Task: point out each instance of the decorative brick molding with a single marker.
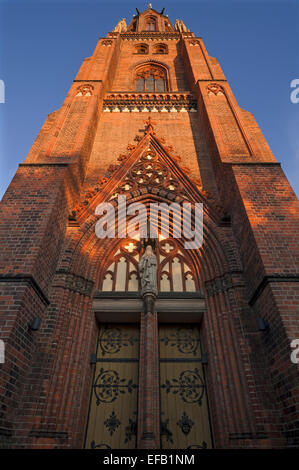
(149, 102)
(219, 284)
(194, 42)
(88, 81)
(107, 42)
(85, 90)
(169, 187)
(151, 35)
(73, 282)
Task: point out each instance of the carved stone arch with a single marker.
(89, 251)
(86, 253)
(219, 323)
(150, 147)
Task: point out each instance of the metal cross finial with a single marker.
(150, 5)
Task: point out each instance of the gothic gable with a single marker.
(149, 168)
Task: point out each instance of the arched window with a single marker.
(151, 79)
(161, 49)
(122, 273)
(175, 272)
(151, 25)
(142, 49)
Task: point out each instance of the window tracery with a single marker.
(122, 274)
(151, 79)
(175, 272)
(151, 23)
(150, 171)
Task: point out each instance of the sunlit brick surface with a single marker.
(51, 260)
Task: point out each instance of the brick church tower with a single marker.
(90, 360)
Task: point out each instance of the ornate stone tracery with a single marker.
(150, 174)
(151, 71)
(122, 273)
(175, 271)
(149, 170)
(151, 78)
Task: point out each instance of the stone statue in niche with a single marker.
(148, 271)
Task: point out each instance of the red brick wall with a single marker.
(181, 130)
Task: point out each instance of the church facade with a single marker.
(137, 342)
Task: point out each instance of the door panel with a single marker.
(184, 408)
(112, 420)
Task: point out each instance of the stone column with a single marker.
(148, 436)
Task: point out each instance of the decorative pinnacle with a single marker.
(150, 5)
(150, 124)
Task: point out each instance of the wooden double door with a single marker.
(184, 416)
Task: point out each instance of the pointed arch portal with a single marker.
(189, 309)
(149, 364)
(117, 402)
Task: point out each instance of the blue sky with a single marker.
(43, 43)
